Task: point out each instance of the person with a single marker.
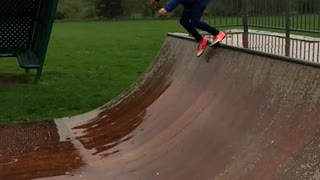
(191, 19)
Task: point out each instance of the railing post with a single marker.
(288, 28)
(288, 18)
(245, 40)
(245, 8)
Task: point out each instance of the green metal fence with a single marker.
(288, 15)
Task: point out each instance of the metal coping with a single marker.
(250, 51)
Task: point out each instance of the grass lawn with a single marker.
(88, 64)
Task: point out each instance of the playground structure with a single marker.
(25, 28)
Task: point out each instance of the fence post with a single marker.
(288, 28)
(245, 8)
(288, 18)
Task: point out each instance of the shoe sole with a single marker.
(203, 49)
(212, 44)
(200, 54)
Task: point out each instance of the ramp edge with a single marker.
(254, 52)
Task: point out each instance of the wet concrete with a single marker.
(226, 115)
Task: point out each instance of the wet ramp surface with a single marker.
(227, 115)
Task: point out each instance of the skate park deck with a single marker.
(230, 114)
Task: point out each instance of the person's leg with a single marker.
(197, 12)
(185, 22)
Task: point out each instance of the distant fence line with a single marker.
(287, 15)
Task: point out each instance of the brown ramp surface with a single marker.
(227, 115)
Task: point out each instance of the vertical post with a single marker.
(288, 28)
(288, 18)
(44, 24)
(245, 40)
(245, 21)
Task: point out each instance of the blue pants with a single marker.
(191, 19)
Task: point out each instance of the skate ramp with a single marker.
(231, 114)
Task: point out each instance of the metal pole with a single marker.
(288, 18)
(245, 40)
(288, 28)
(245, 4)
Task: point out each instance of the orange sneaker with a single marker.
(218, 38)
(202, 45)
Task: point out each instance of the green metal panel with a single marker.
(17, 23)
(25, 29)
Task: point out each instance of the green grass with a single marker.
(87, 65)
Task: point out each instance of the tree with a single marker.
(110, 8)
(140, 7)
(76, 9)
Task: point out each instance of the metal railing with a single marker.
(273, 44)
(288, 15)
(223, 13)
